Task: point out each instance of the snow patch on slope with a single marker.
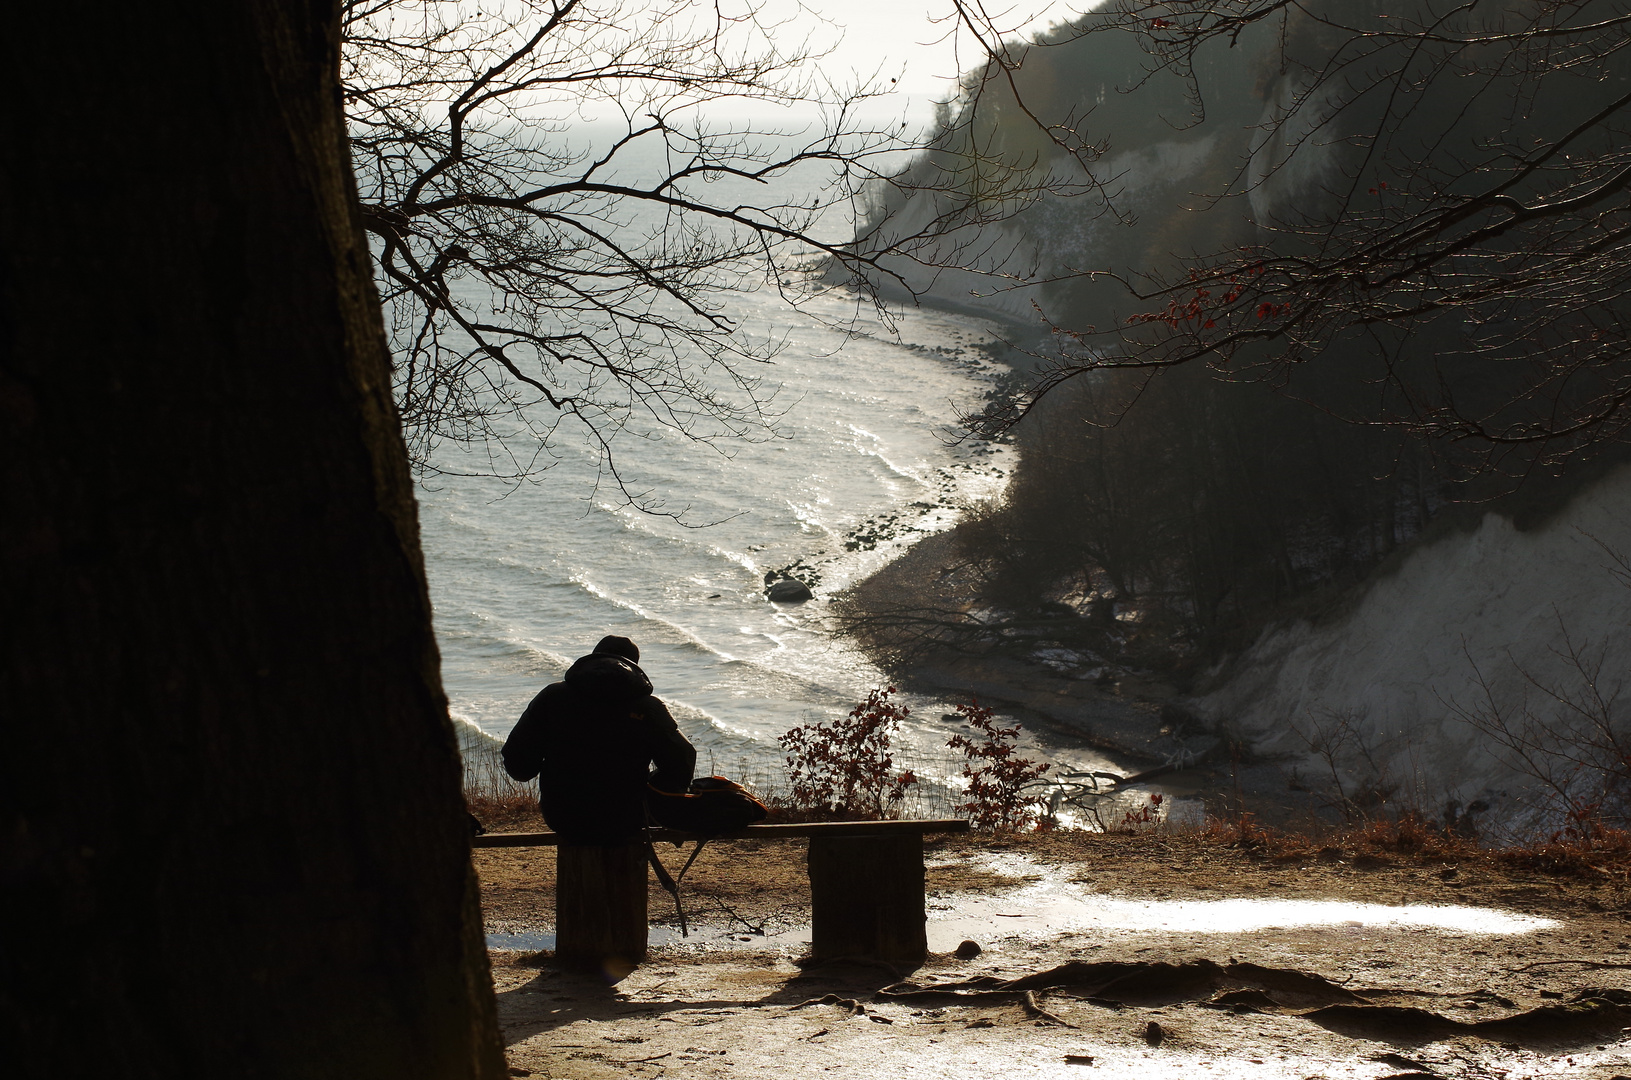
(1472, 618)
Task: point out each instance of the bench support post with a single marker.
(866, 898)
(600, 908)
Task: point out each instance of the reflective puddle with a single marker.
(1051, 906)
(705, 937)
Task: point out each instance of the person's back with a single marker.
(590, 739)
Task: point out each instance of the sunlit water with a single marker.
(526, 579)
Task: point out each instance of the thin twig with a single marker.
(1593, 964)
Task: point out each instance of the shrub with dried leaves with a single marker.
(995, 797)
(843, 768)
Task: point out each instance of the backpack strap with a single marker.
(671, 882)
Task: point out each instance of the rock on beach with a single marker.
(788, 591)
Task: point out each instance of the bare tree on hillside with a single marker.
(1443, 185)
(537, 268)
(1566, 729)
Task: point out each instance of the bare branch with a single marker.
(538, 268)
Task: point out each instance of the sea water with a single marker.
(526, 578)
(864, 461)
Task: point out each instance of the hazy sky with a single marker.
(891, 35)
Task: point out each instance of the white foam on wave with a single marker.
(738, 558)
(876, 452)
(809, 517)
(490, 632)
(472, 738)
(694, 717)
(543, 658)
(686, 635)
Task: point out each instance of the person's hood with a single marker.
(607, 675)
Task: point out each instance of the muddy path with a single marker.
(1100, 956)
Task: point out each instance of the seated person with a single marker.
(591, 740)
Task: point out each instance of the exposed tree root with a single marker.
(1255, 988)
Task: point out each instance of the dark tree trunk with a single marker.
(231, 832)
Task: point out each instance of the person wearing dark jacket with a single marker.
(591, 740)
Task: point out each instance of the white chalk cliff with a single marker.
(1464, 625)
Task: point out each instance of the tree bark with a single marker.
(232, 839)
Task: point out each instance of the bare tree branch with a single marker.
(1444, 185)
(537, 267)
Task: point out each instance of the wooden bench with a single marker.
(866, 890)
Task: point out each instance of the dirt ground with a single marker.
(1156, 980)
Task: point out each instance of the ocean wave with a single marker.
(877, 453)
(809, 515)
(743, 559)
(699, 723)
(494, 642)
(476, 747)
(682, 635)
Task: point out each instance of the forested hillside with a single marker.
(1245, 401)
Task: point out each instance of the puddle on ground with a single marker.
(1049, 906)
(703, 938)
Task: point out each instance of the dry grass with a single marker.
(1608, 853)
(513, 811)
(1408, 838)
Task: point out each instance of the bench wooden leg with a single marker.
(866, 898)
(600, 908)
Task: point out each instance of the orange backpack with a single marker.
(713, 806)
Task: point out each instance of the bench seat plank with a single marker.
(752, 832)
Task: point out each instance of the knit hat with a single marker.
(619, 646)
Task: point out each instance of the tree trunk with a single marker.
(231, 832)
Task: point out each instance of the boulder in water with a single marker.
(789, 591)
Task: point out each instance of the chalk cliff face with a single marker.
(1012, 221)
(1499, 627)
(1028, 264)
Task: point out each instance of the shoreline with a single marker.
(917, 618)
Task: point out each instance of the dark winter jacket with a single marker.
(590, 739)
